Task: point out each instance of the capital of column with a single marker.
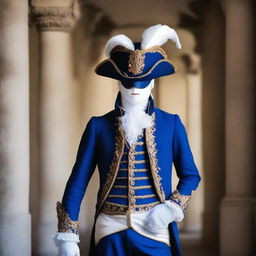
(54, 17)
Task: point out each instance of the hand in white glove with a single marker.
(68, 249)
(161, 215)
(67, 244)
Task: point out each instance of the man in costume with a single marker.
(134, 146)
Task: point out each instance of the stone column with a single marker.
(193, 219)
(54, 20)
(211, 44)
(237, 223)
(15, 234)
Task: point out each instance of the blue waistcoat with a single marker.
(133, 188)
(103, 143)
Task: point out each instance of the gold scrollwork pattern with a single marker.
(114, 209)
(136, 62)
(65, 224)
(181, 200)
(131, 183)
(113, 168)
(118, 209)
(152, 151)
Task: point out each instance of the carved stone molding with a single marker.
(54, 18)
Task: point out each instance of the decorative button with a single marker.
(133, 201)
(132, 192)
(132, 182)
(132, 174)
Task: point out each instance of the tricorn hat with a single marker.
(136, 64)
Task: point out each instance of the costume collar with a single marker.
(120, 111)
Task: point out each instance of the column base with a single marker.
(237, 226)
(15, 235)
(46, 246)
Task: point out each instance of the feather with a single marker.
(159, 35)
(116, 40)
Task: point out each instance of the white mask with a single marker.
(135, 118)
(131, 101)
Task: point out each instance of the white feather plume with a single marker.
(116, 40)
(159, 35)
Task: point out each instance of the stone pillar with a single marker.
(54, 20)
(193, 219)
(211, 43)
(237, 223)
(15, 230)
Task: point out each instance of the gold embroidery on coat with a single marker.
(119, 209)
(118, 196)
(120, 186)
(140, 153)
(181, 200)
(152, 151)
(140, 161)
(65, 224)
(113, 168)
(143, 187)
(131, 166)
(114, 208)
(142, 178)
(140, 170)
(121, 178)
(145, 196)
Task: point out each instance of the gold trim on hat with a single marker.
(135, 77)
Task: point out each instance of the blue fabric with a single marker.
(124, 174)
(117, 67)
(137, 84)
(109, 69)
(97, 146)
(130, 243)
(121, 60)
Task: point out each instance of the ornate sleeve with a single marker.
(185, 166)
(68, 209)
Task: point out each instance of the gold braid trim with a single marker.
(119, 209)
(65, 224)
(152, 151)
(181, 200)
(113, 168)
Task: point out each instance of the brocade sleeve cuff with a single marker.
(181, 200)
(65, 224)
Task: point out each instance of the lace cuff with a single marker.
(65, 224)
(181, 200)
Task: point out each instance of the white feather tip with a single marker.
(116, 40)
(159, 35)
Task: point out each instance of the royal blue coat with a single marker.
(102, 144)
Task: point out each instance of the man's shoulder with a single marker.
(109, 116)
(164, 114)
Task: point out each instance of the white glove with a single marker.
(162, 215)
(67, 244)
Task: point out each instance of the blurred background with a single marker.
(49, 90)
